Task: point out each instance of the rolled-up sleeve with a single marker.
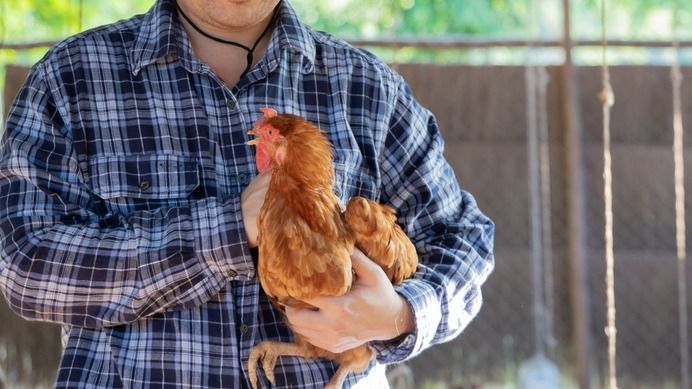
(64, 259)
(454, 239)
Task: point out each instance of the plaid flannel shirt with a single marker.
(121, 170)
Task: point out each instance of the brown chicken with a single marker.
(306, 239)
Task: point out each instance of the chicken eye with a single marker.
(271, 132)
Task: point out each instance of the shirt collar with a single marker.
(161, 36)
(293, 35)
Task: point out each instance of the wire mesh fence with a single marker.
(483, 114)
(485, 120)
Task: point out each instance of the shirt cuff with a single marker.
(221, 239)
(425, 306)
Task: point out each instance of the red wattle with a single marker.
(263, 160)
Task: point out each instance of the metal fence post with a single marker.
(576, 223)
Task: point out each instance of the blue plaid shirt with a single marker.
(121, 170)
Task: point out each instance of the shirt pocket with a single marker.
(127, 183)
(350, 181)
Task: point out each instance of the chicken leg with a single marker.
(268, 351)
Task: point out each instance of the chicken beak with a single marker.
(257, 139)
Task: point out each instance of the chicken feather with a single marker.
(306, 239)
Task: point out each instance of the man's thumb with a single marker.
(364, 267)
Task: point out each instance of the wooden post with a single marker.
(576, 223)
(14, 78)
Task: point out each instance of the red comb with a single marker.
(268, 112)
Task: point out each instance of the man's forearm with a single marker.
(89, 276)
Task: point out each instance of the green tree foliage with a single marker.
(37, 20)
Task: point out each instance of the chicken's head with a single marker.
(270, 144)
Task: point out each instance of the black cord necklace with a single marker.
(250, 50)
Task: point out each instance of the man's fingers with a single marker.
(322, 302)
(301, 316)
(305, 331)
(364, 267)
(251, 201)
(264, 177)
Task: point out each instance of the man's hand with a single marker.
(251, 201)
(372, 310)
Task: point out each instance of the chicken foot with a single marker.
(267, 352)
(337, 380)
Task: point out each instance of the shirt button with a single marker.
(243, 178)
(337, 192)
(243, 328)
(144, 184)
(232, 273)
(231, 104)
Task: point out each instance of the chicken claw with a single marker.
(267, 352)
(262, 352)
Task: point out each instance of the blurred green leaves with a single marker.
(43, 20)
(407, 18)
(40, 20)
(51, 20)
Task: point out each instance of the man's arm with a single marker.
(454, 239)
(62, 260)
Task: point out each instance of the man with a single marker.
(128, 206)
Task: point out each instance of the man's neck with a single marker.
(245, 36)
(228, 61)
